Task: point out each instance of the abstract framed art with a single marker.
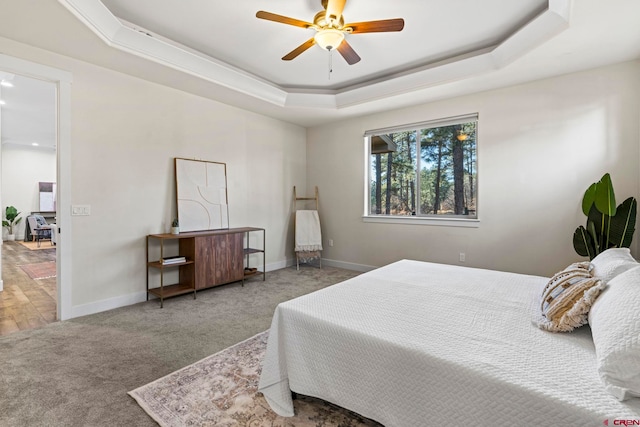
(201, 195)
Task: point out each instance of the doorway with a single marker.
(28, 166)
(60, 83)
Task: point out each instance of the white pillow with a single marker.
(612, 262)
(615, 326)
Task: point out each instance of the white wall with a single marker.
(23, 167)
(125, 133)
(540, 145)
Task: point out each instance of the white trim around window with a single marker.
(404, 216)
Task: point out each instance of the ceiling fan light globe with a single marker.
(329, 38)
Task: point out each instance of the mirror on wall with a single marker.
(47, 192)
(201, 194)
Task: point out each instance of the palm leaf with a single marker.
(623, 224)
(605, 199)
(583, 243)
(589, 198)
(597, 223)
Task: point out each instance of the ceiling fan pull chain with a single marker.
(330, 63)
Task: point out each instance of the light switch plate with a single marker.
(77, 210)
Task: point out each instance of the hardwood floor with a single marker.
(25, 303)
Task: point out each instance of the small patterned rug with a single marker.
(40, 270)
(221, 390)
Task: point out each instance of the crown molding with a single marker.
(116, 34)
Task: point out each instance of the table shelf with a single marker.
(248, 250)
(213, 258)
(158, 264)
(171, 290)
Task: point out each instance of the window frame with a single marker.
(424, 219)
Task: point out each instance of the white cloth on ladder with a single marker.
(308, 235)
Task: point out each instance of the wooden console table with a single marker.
(211, 258)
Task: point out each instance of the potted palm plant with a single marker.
(608, 225)
(13, 218)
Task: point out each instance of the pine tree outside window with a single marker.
(424, 170)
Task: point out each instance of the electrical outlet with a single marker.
(331, 242)
(462, 257)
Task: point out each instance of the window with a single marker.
(424, 170)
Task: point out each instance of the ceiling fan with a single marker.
(331, 29)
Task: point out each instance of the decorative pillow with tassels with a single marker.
(567, 298)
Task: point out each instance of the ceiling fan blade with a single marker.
(335, 8)
(377, 26)
(348, 53)
(282, 19)
(297, 51)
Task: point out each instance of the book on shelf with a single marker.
(173, 259)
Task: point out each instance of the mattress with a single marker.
(416, 343)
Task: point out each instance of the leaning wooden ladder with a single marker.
(305, 256)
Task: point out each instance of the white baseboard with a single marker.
(117, 302)
(291, 262)
(338, 264)
(347, 265)
(108, 304)
(276, 265)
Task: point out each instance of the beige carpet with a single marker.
(221, 390)
(44, 244)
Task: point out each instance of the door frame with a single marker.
(62, 79)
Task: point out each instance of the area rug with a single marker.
(221, 390)
(45, 244)
(40, 270)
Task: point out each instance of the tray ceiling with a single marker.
(225, 43)
(220, 50)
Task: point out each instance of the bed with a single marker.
(416, 343)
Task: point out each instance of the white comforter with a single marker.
(421, 344)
